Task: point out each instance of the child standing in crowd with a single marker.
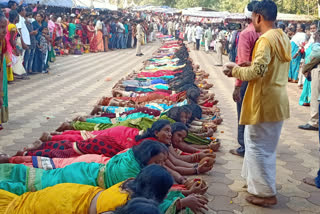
(44, 47)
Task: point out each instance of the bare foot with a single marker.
(64, 126)
(309, 181)
(45, 137)
(4, 158)
(20, 153)
(263, 202)
(95, 110)
(37, 144)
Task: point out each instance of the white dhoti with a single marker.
(259, 165)
(206, 45)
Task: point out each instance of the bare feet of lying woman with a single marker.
(64, 126)
(95, 110)
(33, 146)
(4, 158)
(45, 137)
(263, 202)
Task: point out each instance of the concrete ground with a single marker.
(76, 83)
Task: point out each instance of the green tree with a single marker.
(284, 6)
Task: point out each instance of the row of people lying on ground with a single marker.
(163, 143)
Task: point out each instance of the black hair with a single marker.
(175, 113)
(175, 127)
(251, 5)
(139, 206)
(193, 94)
(314, 23)
(153, 182)
(266, 8)
(282, 26)
(196, 111)
(303, 27)
(11, 3)
(148, 149)
(13, 14)
(156, 126)
(20, 9)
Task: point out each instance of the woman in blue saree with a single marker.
(38, 25)
(305, 97)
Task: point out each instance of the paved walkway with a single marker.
(75, 84)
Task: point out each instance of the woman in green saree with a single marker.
(19, 179)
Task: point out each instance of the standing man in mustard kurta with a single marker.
(265, 105)
(139, 38)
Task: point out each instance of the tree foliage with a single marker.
(284, 6)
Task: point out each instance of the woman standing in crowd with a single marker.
(11, 39)
(38, 25)
(3, 72)
(72, 28)
(92, 37)
(297, 50)
(99, 35)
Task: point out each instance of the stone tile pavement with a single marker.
(75, 84)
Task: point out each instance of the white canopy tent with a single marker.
(100, 4)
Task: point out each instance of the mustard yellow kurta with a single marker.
(266, 98)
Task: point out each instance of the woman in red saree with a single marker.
(92, 37)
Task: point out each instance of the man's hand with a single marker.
(236, 94)
(1, 100)
(227, 68)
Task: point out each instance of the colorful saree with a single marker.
(19, 179)
(4, 109)
(54, 163)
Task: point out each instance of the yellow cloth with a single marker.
(266, 98)
(11, 28)
(61, 198)
(112, 198)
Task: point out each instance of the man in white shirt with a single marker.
(22, 28)
(199, 33)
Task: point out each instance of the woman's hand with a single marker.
(203, 168)
(206, 153)
(182, 180)
(197, 203)
(196, 188)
